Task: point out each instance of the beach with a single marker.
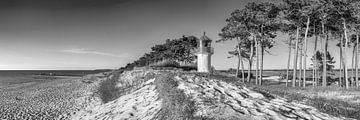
(42, 97)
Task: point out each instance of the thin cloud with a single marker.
(84, 51)
(60, 4)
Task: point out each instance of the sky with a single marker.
(108, 34)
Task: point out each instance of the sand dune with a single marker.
(213, 99)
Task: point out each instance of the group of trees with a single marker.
(255, 27)
(179, 50)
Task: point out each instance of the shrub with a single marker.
(167, 63)
(188, 68)
(246, 75)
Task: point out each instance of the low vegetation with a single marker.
(117, 85)
(108, 90)
(316, 97)
(176, 105)
(331, 100)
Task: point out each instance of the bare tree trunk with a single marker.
(257, 62)
(324, 59)
(340, 71)
(295, 57)
(300, 64)
(352, 68)
(305, 50)
(326, 50)
(313, 76)
(357, 61)
(238, 66)
(242, 70)
(288, 64)
(345, 57)
(250, 60)
(315, 63)
(322, 42)
(249, 71)
(240, 62)
(262, 58)
(261, 64)
(316, 77)
(341, 60)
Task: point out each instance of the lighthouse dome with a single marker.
(205, 38)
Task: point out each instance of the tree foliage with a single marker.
(178, 50)
(318, 56)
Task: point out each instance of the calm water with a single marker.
(9, 77)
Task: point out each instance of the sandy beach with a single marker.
(42, 99)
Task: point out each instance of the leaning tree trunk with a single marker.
(257, 62)
(238, 66)
(305, 50)
(242, 70)
(324, 58)
(345, 57)
(295, 57)
(288, 64)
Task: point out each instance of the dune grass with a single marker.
(331, 100)
(314, 96)
(176, 105)
(108, 90)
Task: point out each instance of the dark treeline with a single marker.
(177, 50)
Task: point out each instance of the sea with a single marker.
(10, 77)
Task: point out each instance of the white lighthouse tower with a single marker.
(204, 53)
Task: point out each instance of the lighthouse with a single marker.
(204, 52)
